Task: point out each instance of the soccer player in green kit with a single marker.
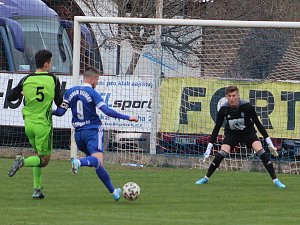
(39, 90)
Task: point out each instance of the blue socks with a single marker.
(101, 172)
(89, 161)
(104, 177)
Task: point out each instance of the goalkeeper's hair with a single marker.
(91, 71)
(231, 89)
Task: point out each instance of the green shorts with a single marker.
(40, 137)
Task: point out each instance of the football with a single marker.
(131, 191)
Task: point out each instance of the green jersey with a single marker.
(39, 90)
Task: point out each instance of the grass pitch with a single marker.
(168, 196)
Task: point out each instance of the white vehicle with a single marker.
(133, 142)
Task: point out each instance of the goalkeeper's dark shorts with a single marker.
(233, 139)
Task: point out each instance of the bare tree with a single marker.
(263, 51)
(192, 45)
(140, 36)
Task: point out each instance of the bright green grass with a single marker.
(168, 196)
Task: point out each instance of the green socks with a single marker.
(37, 177)
(32, 161)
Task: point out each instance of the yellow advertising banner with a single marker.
(190, 105)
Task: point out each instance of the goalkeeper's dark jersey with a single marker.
(39, 90)
(239, 120)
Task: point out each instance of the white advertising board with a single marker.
(130, 96)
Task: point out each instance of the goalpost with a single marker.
(172, 74)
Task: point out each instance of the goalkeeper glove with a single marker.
(271, 147)
(207, 152)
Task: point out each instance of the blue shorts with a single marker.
(90, 141)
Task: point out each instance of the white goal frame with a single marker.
(158, 22)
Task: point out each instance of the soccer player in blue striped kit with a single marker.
(89, 134)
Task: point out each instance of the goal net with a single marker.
(172, 74)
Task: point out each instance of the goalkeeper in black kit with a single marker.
(240, 118)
